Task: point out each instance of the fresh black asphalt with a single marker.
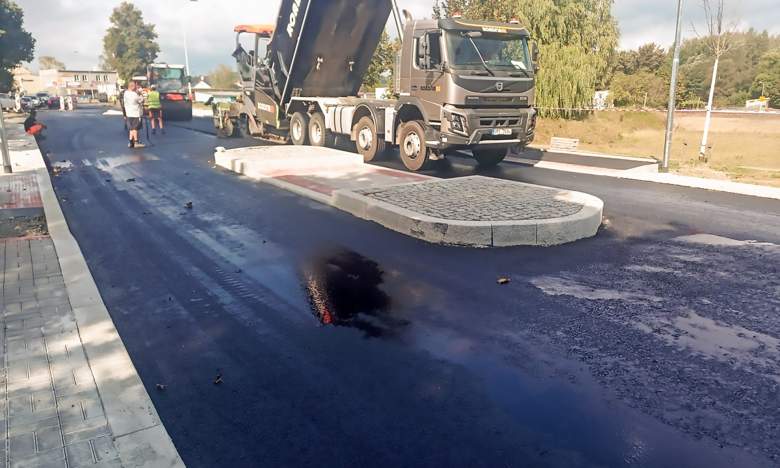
(340, 343)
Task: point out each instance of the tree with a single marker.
(223, 77)
(382, 63)
(577, 42)
(768, 78)
(47, 62)
(650, 58)
(642, 89)
(718, 41)
(129, 45)
(16, 44)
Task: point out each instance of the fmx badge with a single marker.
(296, 6)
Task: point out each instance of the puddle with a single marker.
(719, 241)
(62, 165)
(732, 344)
(560, 286)
(119, 161)
(649, 269)
(344, 290)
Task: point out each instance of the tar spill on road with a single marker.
(344, 289)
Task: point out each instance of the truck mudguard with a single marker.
(324, 47)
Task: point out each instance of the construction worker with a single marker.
(154, 105)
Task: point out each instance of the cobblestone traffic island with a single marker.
(470, 211)
(478, 211)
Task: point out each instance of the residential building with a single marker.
(26, 81)
(82, 83)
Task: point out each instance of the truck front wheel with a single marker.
(299, 129)
(414, 151)
(489, 157)
(368, 142)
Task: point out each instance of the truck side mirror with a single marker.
(535, 54)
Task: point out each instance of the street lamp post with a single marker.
(187, 57)
(4, 145)
(673, 90)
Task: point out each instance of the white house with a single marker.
(201, 91)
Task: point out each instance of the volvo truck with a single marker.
(460, 84)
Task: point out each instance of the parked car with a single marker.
(6, 101)
(27, 103)
(43, 99)
(102, 97)
(53, 102)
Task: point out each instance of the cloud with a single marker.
(72, 30)
(642, 21)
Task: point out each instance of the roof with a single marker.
(265, 30)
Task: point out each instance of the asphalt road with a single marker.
(340, 343)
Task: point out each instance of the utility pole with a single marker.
(4, 145)
(673, 91)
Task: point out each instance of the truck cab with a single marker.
(471, 82)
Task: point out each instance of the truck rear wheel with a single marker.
(319, 135)
(225, 130)
(367, 140)
(489, 157)
(242, 129)
(299, 129)
(414, 151)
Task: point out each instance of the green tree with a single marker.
(47, 62)
(577, 42)
(641, 89)
(129, 45)
(16, 44)
(382, 64)
(768, 78)
(223, 77)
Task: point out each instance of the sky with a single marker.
(72, 30)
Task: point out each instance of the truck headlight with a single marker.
(458, 122)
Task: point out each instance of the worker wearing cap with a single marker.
(154, 104)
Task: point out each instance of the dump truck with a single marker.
(172, 82)
(461, 84)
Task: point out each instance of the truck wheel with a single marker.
(299, 129)
(489, 157)
(319, 135)
(367, 140)
(243, 127)
(414, 151)
(225, 130)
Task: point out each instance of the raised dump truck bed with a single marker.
(324, 48)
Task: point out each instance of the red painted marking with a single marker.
(307, 184)
(402, 175)
(21, 191)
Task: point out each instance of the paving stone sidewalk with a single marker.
(53, 415)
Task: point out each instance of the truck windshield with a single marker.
(500, 52)
(168, 80)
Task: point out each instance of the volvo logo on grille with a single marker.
(500, 86)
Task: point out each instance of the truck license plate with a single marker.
(502, 131)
